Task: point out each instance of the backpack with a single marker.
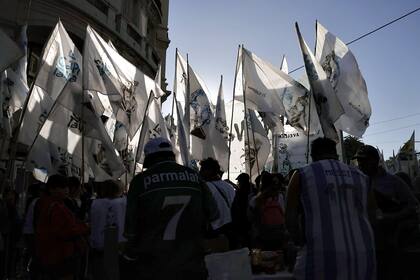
(271, 212)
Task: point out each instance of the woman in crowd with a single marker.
(58, 234)
(267, 213)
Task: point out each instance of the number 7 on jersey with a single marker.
(170, 229)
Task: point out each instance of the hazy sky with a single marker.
(210, 32)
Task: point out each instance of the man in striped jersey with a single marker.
(333, 202)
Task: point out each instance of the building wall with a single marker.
(137, 28)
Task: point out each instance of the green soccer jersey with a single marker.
(168, 208)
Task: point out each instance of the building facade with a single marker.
(137, 28)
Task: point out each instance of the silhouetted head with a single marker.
(57, 186)
(368, 160)
(210, 169)
(323, 148)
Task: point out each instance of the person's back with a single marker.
(168, 208)
(224, 194)
(335, 203)
(339, 238)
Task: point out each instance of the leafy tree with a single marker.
(351, 144)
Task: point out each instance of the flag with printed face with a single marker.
(267, 86)
(237, 147)
(59, 75)
(10, 51)
(205, 141)
(347, 81)
(154, 126)
(63, 128)
(126, 87)
(328, 106)
(257, 145)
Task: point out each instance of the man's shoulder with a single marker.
(228, 187)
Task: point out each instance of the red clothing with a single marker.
(57, 231)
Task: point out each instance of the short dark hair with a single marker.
(323, 146)
(210, 164)
(56, 181)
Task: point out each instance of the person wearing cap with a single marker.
(397, 208)
(334, 202)
(168, 210)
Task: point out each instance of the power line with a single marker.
(394, 129)
(394, 119)
(371, 32)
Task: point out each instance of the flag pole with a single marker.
(16, 132)
(255, 147)
(174, 90)
(309, 125)
(246, 114)
(187, 108)
(82, 123)
(127, 162)
(233, 107)
(151, 95)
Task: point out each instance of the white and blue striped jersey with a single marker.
(339, 238)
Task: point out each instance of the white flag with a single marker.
(237, 149)
(17, 85)
(59, 74)
(257, 145)
(154, 126)
(108, 73)
(221, 123)
(10, 52)
(63, 129)
(181, 141)
(328, 106)
(266, 85)
(343, 72)
(205, 141)
(284, 66)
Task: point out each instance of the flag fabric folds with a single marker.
(107, 72)
(328, 106)
(257, 145)
(16, 81)
(59, 74)
(237, 150)
(271, 90)
(347, 81)
(205, 141)
(10, 51)
(56, 108)
(220, 115)
(13, 93)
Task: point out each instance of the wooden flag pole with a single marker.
(309, 126)
(233, 107)
(187, 108)
(246, 113)
(174, 90)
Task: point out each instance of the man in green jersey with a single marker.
(168, 210)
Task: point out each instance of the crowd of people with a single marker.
(331, 220)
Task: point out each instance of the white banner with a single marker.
(343, 72)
